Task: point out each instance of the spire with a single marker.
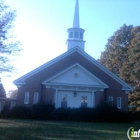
(76, 15)
(76, 34)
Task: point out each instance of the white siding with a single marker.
(76, 75)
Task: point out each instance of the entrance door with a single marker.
(84, 101)
(64, 101)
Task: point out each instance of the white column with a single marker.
(93, 99)
(56, 92)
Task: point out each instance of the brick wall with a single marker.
(34, 82)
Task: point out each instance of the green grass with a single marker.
(54, 130)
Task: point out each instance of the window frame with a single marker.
(119, 102)
(110, 101)
(26, 97)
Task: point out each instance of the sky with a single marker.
(41, 27)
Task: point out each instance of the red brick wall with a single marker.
(49, 96)
(99, 96)
(33, 83)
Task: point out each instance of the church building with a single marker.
(73, 79)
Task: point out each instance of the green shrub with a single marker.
(20, 112)
(105, 112)
(136, 116)
(4, 112)
(74, 114)
(42, 111)
(61, 114)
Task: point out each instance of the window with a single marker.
(2, 104)
(110, 100)
(26, 98)
(81, 35)
(119, 104)
(13, 103)
(71, 35)
(84, 101)
(76, 35)
(64, 101)
(35, 97)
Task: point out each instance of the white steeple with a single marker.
(76, 16)
(76, 34)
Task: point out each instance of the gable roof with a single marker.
(21, 80)
(67, 76)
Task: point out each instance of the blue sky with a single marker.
(41, 27)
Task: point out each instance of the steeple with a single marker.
(76, 15)
(75, 34)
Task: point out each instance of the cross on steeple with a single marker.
(76, 34)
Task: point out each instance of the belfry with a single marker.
(76, 34)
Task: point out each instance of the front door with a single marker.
(64, 101)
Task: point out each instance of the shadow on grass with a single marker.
(39, 130)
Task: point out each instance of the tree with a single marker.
(12, 93)
(2, 90)
(9, 47)
(122, 56)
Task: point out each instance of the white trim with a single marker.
(87, 56)
(26, 98)
(76, 64)
(93, 99)
(56, 96)
(74, 87)
(47, 64)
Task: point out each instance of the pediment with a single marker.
(76, 75)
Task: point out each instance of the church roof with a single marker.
(84, 55)
(76, 54)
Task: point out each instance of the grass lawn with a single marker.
(54, 130)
